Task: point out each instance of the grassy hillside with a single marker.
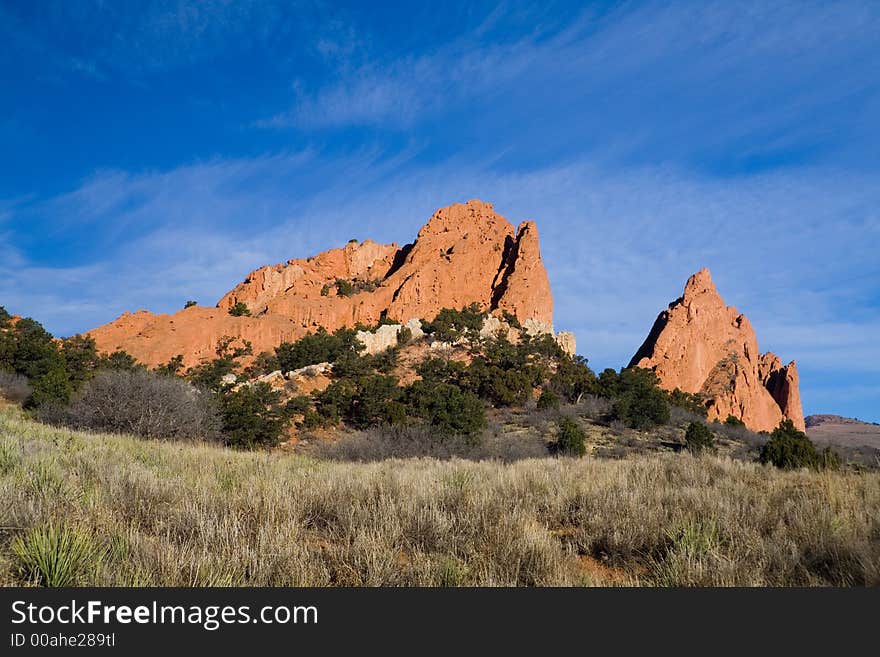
(113, 510)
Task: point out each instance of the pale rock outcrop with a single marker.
(382, 339)
(703, 346)
(272, 378)
(415, 328)
(309, 379)
(492, 326)
(318, 369)
(567, 342)
(466, 253)
(536, 327)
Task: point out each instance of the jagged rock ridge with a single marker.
(465, 254)
(701, 345)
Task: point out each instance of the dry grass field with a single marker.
(86, 509)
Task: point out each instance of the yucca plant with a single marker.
(55, 555)
(9, 456)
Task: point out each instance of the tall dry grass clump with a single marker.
(112, 510)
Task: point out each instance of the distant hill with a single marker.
(844, 431)
(819, 420)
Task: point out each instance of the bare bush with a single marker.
(682, 417)
(594, 407)
(14, 387)
(391, 442)
(141, 403)
(618, 426)
(507, 448)
(739, 433)
(533, 419)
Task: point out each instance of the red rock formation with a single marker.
(782, 381)
(701, 345)
(194, 333)
(465, 254)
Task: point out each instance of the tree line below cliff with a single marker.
(67, 382)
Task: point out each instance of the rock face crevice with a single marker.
(466, 253)
(499, 284)
(702, 346)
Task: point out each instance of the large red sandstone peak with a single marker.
(701, 345)
(465, 254)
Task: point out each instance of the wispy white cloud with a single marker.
(406, 90)
(148, 37)
(661, 76)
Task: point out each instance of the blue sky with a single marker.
(157, 152)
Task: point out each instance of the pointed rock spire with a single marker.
(700, 345)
